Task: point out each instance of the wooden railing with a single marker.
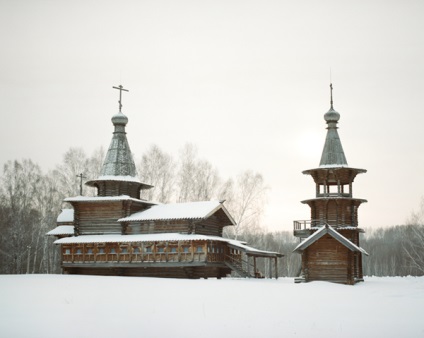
(242, 267)
(307, 224)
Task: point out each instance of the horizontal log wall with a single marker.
(99, 218)
(341, 211)
(118, 188)
(210, 227)
(328, 260)
(158, 227)
(182, 272)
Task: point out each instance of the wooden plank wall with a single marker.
(327, 260)
(183, 272)
(99, 218)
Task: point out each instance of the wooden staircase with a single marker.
(237, 267)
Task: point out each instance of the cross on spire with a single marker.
(81, 176)
(331, 93)
(120, 88)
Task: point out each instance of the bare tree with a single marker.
(246, 202)
(413, 244)
(157, 168)
(197, 179)
(21, 182)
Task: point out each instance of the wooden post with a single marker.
(270, 268)
(192, 251)
(276, 267)
(254, 266)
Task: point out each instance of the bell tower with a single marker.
(329, 241)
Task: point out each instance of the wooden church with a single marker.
(118, 233)
(329, 241)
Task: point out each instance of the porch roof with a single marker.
(333, 233)
(61, 230)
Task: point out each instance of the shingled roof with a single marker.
(333, 233)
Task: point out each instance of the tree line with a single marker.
(31, 200)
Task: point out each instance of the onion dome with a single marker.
(119, 119)
(332, 116)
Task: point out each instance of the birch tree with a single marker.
(413, 244)
(246, 202)
(157, 168)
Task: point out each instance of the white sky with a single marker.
(246, 81)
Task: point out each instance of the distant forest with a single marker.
(31, 200)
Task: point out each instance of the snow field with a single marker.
(88, 306)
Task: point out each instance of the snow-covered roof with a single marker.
(137, 238)
(253, 251)
(165, 237)
(335, 167)
(104, 198)
(190, 210)
(126, 178)
(66, 216)
(333, 233)
(61, 230)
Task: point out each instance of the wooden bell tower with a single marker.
(329, 241)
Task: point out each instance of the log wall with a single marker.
(328, 260)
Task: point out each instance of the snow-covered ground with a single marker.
(85, 306)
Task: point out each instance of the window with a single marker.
(90, 251)
(124, 250)
(149, 249)
(79, 252)
(67, 251)
(112, 251)
(186, 249)
(136, 250)
(161, 249)
(199, 248)
(101, 250)
(173, 250)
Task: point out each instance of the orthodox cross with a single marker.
(81, 176)
(120, 88)
(331, 91)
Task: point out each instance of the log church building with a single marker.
(118, 233)
(329, 241)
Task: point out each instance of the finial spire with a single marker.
(331, 95)
(120, 88)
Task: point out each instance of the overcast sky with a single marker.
(245, 81)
